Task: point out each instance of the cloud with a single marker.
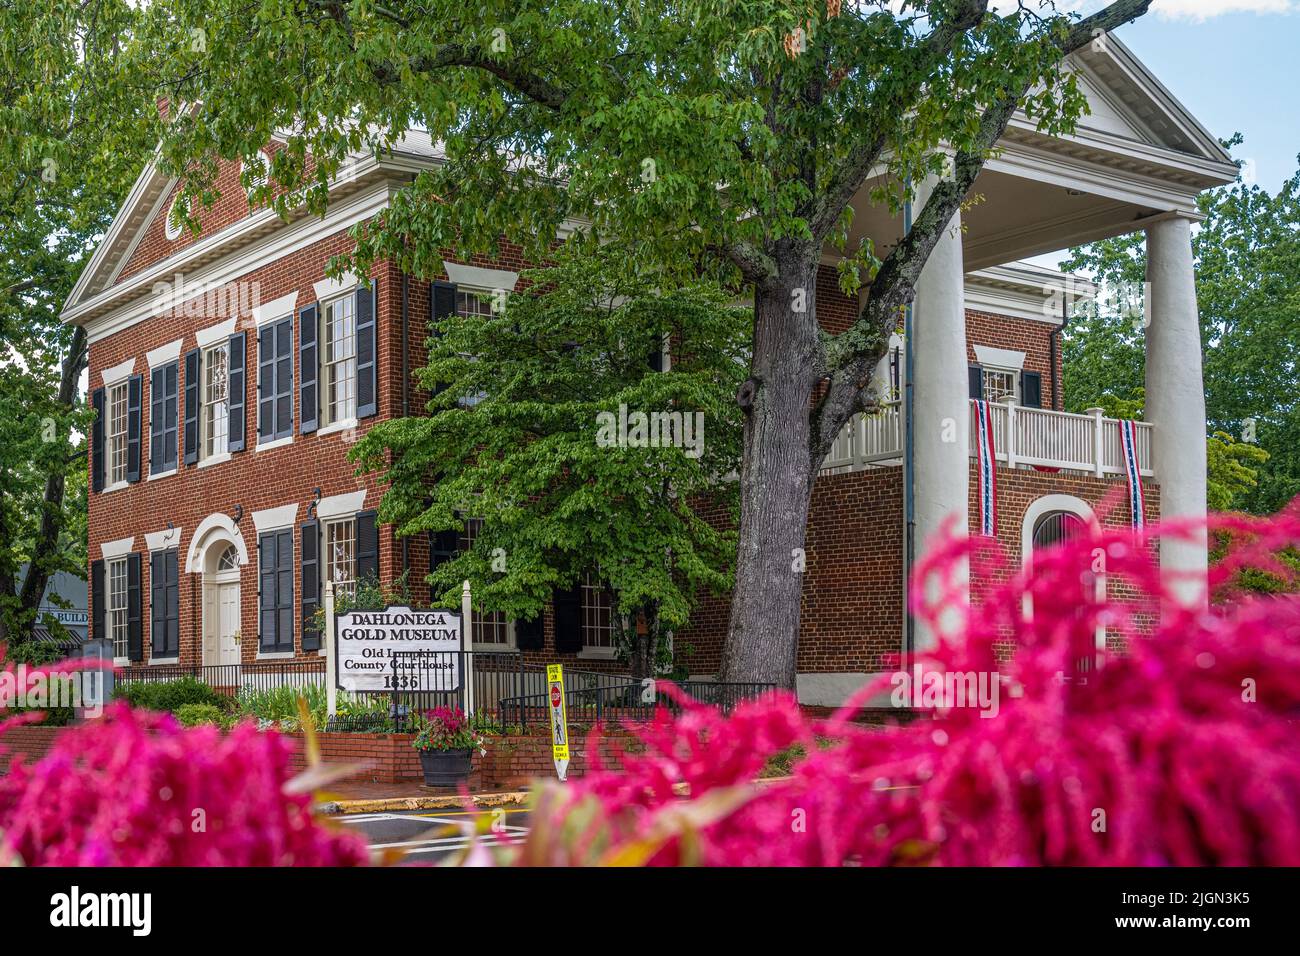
(1198, 11)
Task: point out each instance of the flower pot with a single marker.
(445, 768)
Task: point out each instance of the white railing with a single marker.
(1022, 438)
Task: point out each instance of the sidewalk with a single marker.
(410, 795)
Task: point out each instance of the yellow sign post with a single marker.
(559, 719)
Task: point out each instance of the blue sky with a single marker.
(1235, 71)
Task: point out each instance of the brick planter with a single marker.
(32, 742)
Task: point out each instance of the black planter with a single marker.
(445, 768)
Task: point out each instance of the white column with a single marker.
(941, 393)
(1175, 397)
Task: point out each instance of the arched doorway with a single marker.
(1054, 520)
(221, 603)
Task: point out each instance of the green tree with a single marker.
(76, 130)
(713, 138)
(1248, 290)
(526, 439)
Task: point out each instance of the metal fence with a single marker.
(230, 679)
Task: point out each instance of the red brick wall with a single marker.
(1020, 335)
(30, 742)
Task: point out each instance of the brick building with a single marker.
(231, 376)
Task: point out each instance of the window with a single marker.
(999, 383)
(597, 617)
(274, 591)
(171, 227)
(275, 381)
(216, 411)
(469, 304)
(117, 433)
(164, 604)
(117, 607)
(1056, 527)
(490, 628)
(341, 555)
(164, 409)
(340, 360)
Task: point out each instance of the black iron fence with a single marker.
(230, 679)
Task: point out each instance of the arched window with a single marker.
(171, 228)
(229, 560)
(1056, 527)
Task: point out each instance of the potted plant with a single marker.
(446, 743)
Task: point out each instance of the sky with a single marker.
(1235, 65)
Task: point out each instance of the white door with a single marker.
(220, 645)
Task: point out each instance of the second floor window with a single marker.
(117, 606)
(216, 411)
(1000, 383)
(339, 365)
(341, 555)
(597, 616)
(116, 435)
(490, 628)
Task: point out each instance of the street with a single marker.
(423, 835)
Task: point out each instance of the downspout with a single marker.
(909, 464)
(1052, 338)
(406, 392)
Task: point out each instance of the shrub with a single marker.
(278, 706)
(1182, 750)
(137, 789)
(192, 715)
(168, 695)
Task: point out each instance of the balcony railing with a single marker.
(1022, 438)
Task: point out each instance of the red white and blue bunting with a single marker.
(986, 461)
(1132, 470)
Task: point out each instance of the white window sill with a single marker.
(121, 662)
(339, 426)
(162, 474)
(275, 655)
(273, 443)
(164, 660)
(490, 648)
(214, 460)
(116, 486)
(598, 653)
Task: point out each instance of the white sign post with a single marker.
(331, 682)
(467, 645)
(365, 642)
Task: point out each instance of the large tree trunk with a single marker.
(776, 479)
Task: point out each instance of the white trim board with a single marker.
(341, 506)
(281, 308)
(164, 354)
(476, 277)
(215, 333)
(117, 549)
(1001, 358)
(274, 519)
(118, 373)
(162, 540)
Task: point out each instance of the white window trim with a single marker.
(163, 540)
(275, 519)
(332, 288)
(118, 373)
(215, 333)
(276, 309)
(164, 354)
(509, 645)
(170, 659)
(274, 443)
(116, 486)
(480, 279)
(155, 475)
(1000, 358)
(214, 460)
(598, 653)
(341, 506)
(275, 655)
(340, 426)
(117, 549)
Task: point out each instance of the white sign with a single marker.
(367, 640)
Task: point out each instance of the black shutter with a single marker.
(367, 546)
(284, 604)
(976, 381)
(308, 362)
(367, 360)
(266, 390)
(191, 406)
(442, 303)
(266, 586)
(237, 350)
(157, 421)
(134, 629)
(157, 604)
(97, 627)
(134, 395)
(171, 562)
(530, 634)
(1031, 389)
(568, 620)
(283, 422)
(97, 469)
(310, 535)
